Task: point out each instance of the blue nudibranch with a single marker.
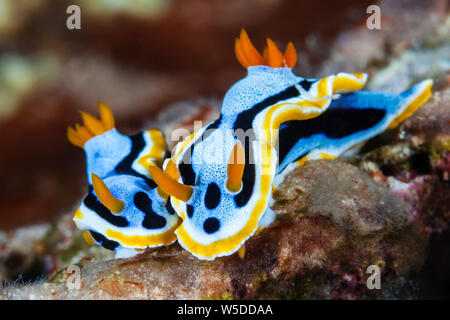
(214, 192)
(123, 210)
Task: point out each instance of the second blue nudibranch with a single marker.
(123, 210)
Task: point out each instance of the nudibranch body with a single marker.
(123, 210)
(221, 177)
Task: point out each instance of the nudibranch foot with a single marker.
(93, 238)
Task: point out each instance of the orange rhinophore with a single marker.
(104, 195)
(235, 170)
(169, 185)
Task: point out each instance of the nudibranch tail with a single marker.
(92, 126)
(349, 121)
(248, 55)
(412, 99)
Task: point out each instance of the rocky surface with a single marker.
(333, 220)
(319, 247)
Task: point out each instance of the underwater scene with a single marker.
(224, 150)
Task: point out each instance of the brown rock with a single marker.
(340, 192)
(333, 222)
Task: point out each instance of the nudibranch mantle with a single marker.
(260, 83)
(102, 150)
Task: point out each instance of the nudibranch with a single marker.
(220, 178)
(123, 210)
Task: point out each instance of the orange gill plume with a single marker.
(248, 55)
(235, 170)
(104, 195)
(92, 126)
